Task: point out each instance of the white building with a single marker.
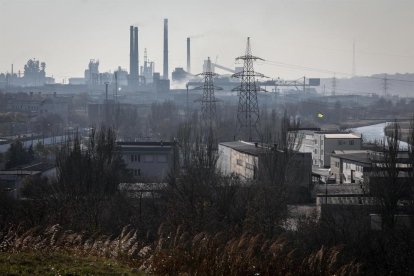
(354, 166)
(322, 143)
(248, 159)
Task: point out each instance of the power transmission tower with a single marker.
(208, 102)
(248, 116)
(385, 85)
(334, 85)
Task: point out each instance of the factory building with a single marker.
(322, 143)
(40, 105)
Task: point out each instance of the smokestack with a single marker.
(165, 71)
(188, 56)
(131, 51)
(133, 55)
(136, 55)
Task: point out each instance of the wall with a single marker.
(330, 145)
(154, 163)
(347, 167)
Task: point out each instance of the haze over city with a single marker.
(207, 137)
(318, 34)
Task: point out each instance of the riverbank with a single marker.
(404, 130)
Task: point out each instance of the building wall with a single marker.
(223, 161)
(232, 161)
(244, 165)
(338, 144)
(153, 163)
(350, 168)
(336, 168)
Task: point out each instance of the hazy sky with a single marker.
(309, 33)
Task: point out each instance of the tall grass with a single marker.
(179, 252)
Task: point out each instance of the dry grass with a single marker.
(179, 253)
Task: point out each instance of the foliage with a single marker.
(85, 195)
(18, 155)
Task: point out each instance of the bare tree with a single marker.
(388, 181)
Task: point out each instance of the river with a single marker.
(375, 133)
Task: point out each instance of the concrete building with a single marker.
(40, 104)
(322, 143)
(355, 166)
(248, 159)
(151, 161)
(11, 181)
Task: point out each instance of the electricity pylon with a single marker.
(248, 116)
(208, 102)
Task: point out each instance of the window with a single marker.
(135, 158)
(316, 151)
(137, 172)
(162, 158)
(337, 164)
(321, 142)
(340, 142)
(321, 151)
(249, 166)
(351, 142)
(239, 162)
(148, 158)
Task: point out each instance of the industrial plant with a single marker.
(206, 164)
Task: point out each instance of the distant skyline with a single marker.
(313, 34)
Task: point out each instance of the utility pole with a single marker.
(385, 85)
(304, 87)
(353, 59)
(186, 98)
(106, 102)
(334, 85)
(248, 116)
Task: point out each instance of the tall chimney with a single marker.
(136, 55)
(165, 71)
(131, 51)
(188, 56)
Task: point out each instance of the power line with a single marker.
(300, 67)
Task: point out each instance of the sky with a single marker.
(297, 38)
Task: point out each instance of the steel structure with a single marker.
(208, 102)
(248, 116)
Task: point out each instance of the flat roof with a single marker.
(245, 147)
(145, 146)
(19, 172)
(362, 156)
(339, 189)
(367, 156)
(342, 136)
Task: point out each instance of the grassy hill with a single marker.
(59, 264)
